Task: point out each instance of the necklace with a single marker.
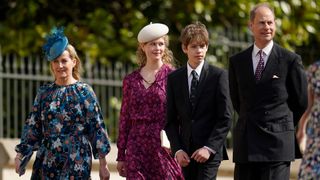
(149, 75)
(148, 82)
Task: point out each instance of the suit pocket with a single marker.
(280, 125)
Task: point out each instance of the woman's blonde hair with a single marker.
(76, 71)
(167, 56)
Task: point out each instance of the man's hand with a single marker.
(201, 155)
(182, 158)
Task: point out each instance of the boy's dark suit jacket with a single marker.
(268, 109)
(208, 123)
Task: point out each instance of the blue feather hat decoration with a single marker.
(56, 43)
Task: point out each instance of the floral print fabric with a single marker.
(64, 125)
(310, 165)
(142, 117)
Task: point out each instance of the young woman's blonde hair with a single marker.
(74, 56)
(167, 56)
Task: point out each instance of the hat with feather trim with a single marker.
(152, 31)
(56, 43)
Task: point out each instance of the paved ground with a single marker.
(9, 174)
(225, 170)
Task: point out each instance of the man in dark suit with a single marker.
(198, 109)
(268, 89)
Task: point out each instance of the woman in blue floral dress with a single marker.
(310, 125)
(65, 125)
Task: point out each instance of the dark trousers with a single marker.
(201, 171)
(262, 171)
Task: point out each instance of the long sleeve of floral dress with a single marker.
(124, 123)
(66, 128)
(31, 135)
(97, 134)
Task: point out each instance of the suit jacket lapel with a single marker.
(185, 88)
(247, 65)
(202, 83)
(247, 72)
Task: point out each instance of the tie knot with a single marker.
(261, 53)
(194, 74)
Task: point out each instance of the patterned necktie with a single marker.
(193, 88)
(260, 66)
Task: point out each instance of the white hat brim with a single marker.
(152, 31)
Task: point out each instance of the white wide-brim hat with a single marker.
(152, 31)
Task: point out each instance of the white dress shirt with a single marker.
(198, 71)
(256, 57)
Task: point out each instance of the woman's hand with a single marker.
(17, 162)
(121, 167)
(300, 135)
(104, 172)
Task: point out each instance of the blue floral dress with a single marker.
(66, 128)
(310, 164)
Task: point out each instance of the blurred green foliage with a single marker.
(106, 29)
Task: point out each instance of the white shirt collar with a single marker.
(266, 50)
(198, 68)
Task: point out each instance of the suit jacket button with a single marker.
(266, 112)
(192, 121)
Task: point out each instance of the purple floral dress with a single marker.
(66, 128)
(142, 117)
(310, 164)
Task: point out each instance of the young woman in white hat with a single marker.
(142, 117)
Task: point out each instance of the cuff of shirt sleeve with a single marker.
(209, 149)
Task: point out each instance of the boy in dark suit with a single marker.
(268, 89)
(198, 108)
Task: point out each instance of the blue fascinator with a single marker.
(56, 44)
